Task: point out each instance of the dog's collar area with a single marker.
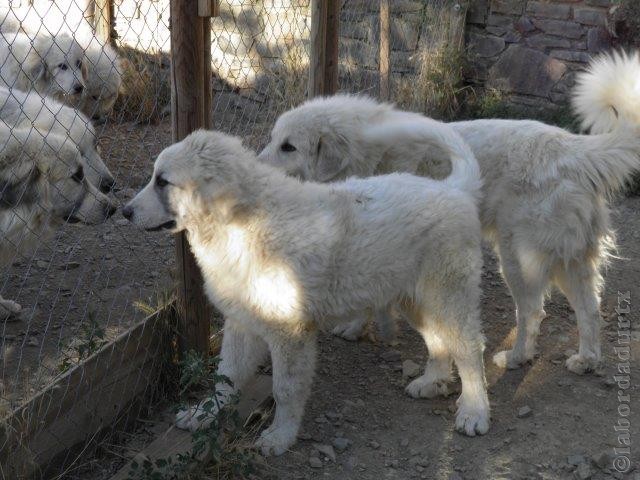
(171, 224)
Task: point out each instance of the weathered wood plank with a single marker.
(174, 441)
(385, 49)
(325, 27)
(84, 400)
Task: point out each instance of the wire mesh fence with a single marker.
(85, 98)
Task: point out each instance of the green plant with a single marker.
(217, 445)
(89, 338)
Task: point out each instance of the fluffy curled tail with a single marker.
(425, 132)
(607, 94)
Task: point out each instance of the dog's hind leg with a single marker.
(580, 282)
(241, 354)
(293, 360)
(528, 286)
(8, 309)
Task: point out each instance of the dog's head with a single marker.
(46, 171)
(104, 81)
(319, 140)
(199, 177)
(57, 67)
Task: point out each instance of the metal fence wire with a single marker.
(85, 109)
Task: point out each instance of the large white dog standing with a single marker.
(544, 193)
(281, 259)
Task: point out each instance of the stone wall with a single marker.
(530, 49)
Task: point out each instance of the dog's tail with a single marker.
(607, 94)
(424, 132)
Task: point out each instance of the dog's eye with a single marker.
(161, 182)
(78, 176)
(63, 66)
(287, 147)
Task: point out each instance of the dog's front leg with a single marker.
(293, 360)
(240, 356)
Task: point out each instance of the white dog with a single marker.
(104, 80)
(281, 258)
(42, 183)
(53, 66)
(544, 196)
(23, 110)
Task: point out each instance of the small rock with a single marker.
(326, 450)
(304, 436)
(455, 476)
(123, 222)
(33, 342)
(410, 369)
(70, 266)
(315, 462)
(341, 443)
(320, 419)
(569, 353)
(404, 442)
(603, 459)
(583, 472)
(576, 459)
(391, 356)
(333, 416)
(375, 445)
(351, 463)
(42, 264)
(524, 412)
(609, 382)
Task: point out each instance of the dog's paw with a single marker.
(9, 308)
(472, 421)
(276, 441)
(194, 418)
(580, 364)
(507, 359)
(426, 387)
(351, 331)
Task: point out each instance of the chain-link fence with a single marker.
(85, 98)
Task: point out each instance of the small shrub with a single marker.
(89, 338)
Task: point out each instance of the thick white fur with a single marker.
(543, 205)
(608, 93)
(53, 66)
(104, 80)
(37, 191)
(103, 68)
(23, 110)
(282, 259)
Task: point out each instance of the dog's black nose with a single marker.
(111, 210)
(106, 185)
(78, 88)
(127, 212)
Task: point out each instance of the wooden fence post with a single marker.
(385, 34)
(103, 19)
(191, 94)
(325, 28)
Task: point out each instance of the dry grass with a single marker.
(146, 87)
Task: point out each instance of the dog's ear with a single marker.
(36, 69)
(332, 157)
(19, 191)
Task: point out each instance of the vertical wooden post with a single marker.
(325, 27)
(190, 110)
(103, 16)
(385, 49)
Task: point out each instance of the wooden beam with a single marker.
(191, 93)
(87, 399)
(103, 20)
(325, 27)
(174, 442)
(385, 34)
